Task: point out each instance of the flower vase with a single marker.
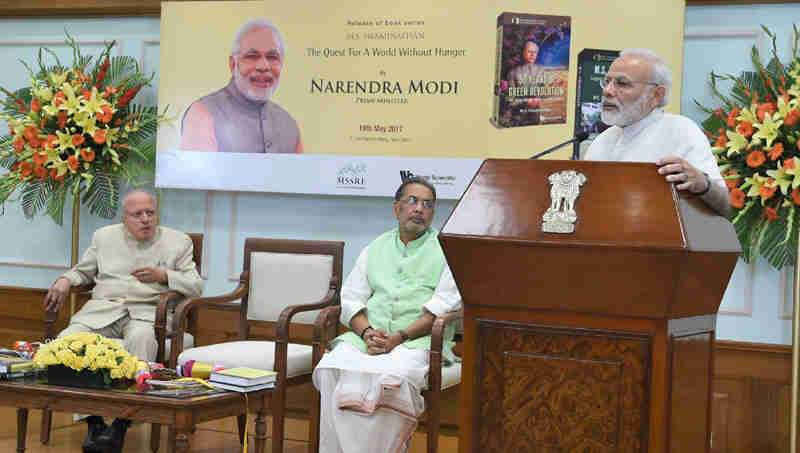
(62, 375)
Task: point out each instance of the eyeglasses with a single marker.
(412, 201)
(252, 57)
(139, 215)
(622, 83)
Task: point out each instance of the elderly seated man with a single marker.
(370, 383)
(131, 264)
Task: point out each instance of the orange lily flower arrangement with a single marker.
(76, 131)
(755, 137)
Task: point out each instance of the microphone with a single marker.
(579, 137)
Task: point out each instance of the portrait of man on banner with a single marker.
(241, 117)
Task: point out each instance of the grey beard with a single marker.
(627, 115)
(241, 85)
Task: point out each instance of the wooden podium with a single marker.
(600, 340)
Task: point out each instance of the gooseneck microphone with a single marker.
(579, 137)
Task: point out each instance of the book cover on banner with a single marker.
(593, 65)
(531, 70)
(243, 376)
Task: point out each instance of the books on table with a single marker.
(10, 364)
(14, 367)
(243, 389)
(243, 377)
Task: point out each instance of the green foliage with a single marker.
(102, 195)
(35, 196)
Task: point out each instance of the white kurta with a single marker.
(370, 403)
(657, 135)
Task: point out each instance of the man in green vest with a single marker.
(370, 383)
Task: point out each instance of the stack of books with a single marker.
(243, 379)
(14, 366)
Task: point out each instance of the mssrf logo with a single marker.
(352, 176)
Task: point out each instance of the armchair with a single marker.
(165, 303)
(282, 286)
(440, 379)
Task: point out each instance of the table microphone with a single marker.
(579, 137)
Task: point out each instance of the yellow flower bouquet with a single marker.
(94, 355)
(75, 130)
(755, 136)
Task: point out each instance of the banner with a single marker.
(593, 65)
(345, 85)
(356, 80)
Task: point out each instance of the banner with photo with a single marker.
(359, 81)
(342, 94)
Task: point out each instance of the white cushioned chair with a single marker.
(284, 283)
(440, 379)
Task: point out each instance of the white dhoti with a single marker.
(369, 403)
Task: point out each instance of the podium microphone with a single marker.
(579, 137)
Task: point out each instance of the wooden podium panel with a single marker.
(554, 389)
(691, 361)
(597, 340)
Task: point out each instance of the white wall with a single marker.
(718, 38)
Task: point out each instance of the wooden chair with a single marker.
(166, 302)
(440, 379)
(281, 279)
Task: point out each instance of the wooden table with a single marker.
(181, 414)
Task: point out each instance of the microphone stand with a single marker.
(579, 137)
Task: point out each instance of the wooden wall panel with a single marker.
(728, 416)
(752, 391)
(91, 8)
(79, 8)
(22, 315)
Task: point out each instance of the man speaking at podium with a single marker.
(635, 90)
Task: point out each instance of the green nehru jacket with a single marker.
(403, 279)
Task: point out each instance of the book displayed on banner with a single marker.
(593, 65)
(531, 70)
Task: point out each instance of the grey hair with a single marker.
(414, 180)
(660, 72)
(525, 44)
(254, 24)
(148, 193)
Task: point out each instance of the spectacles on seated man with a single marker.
(412, 201)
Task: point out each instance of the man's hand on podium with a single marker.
(683, 174)
(687, 177)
